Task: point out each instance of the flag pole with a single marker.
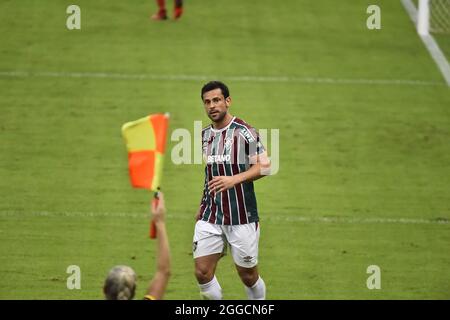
(155, 200)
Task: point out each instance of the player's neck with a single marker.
(223, 123)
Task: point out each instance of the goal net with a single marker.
(440, 16)
(434, 16)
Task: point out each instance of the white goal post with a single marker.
(433, 17)
(424, 18)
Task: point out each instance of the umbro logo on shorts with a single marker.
(248, 259)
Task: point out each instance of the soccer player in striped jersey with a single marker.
(228, 213)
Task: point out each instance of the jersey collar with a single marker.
(224, 128)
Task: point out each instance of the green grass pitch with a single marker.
(364, 156)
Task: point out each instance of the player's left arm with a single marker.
(260, 167)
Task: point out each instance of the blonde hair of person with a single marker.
(120, 284)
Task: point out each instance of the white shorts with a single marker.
(243, 240)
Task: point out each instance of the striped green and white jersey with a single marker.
(227, 152)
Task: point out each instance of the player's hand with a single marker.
(221, 183)
(197, 215)
(159, 208)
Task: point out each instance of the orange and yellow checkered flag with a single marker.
(146, 142)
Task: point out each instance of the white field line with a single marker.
(185, 216)
(430, 43)
(186, 77)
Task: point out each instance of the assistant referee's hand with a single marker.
(159, 208)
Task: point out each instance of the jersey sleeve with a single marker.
(252, 142)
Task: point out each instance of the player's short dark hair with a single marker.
(216, 85)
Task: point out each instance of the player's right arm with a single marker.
(159, 282)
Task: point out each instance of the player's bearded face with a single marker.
(216, 115)
(215, 105)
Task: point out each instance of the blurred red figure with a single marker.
(162, 12)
